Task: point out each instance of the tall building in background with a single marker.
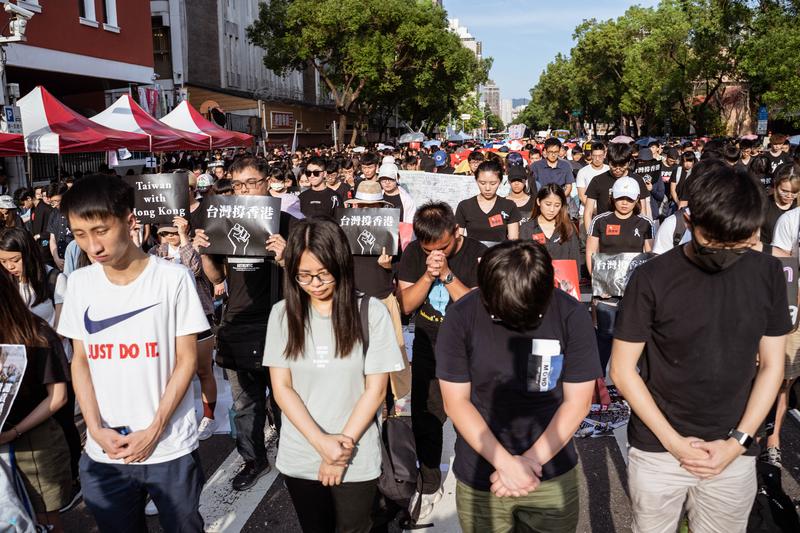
(466, 37)
(506, 110)
(491, 95)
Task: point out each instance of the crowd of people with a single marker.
(122, 316)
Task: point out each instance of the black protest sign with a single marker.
(611, 272)
(240, 225)
(370, 230)
(158, 198)
(790, 272)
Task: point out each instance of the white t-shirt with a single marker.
(128, 332)
(787, 231)
(586, 174)
(45, 310)
(664, 238)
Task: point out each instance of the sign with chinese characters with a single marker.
(790, 272)
(611, 272)
(240, 225)
(427, 187)
(158, 198)
(281, 120)
(369, 231)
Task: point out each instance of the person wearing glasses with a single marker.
(329, 381)
(551, 169)
(319, 200)
(784, 197)
(598, 193)
(253, 286)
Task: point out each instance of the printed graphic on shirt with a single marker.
(495, 220)
(96, 326)
(439, 297)
(544, 365)
(539, 237)
(613, 229)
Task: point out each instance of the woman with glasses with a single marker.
(329, 387)
(786, 185)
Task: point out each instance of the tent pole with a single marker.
(30, 170)
(59, 167)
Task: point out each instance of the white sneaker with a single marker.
(428, 502)
(206, 428)
(150, 509)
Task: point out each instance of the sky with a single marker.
(523, 36)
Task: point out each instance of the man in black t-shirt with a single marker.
(438, 268)
(253, 286)
(776, 154)
(706, 325)
(319, 200)
(511, 357)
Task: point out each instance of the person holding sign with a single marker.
(488, 217)
(252, 288)
(329, 366)
(515, 462)
(706, 323)
(551, 226)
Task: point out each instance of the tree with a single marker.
(493, 122)
(369, 53)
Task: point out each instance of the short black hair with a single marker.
(475, 155)
(725, 202)
(317, 161)
(760, 166)
(369, 158)
(746, 143)
(552, 141)
(597, 145)
(619, 154)
(516, 283)
(731, 153)
(98, 196)
(490, 165)
(256, 163)
(433, 220)
(56, 189)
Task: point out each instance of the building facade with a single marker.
(491, 95)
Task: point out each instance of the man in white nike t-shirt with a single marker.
(133, 320)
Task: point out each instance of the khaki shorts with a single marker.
(400, 380)
(791, 369)
(552, 507)
(42, 457)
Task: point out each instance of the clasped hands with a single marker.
(704, 459)
(336, 451)
(516, 475)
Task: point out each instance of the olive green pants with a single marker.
(551, 508)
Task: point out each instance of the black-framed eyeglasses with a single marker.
(315, 173)
(251, 183)
(326, 278)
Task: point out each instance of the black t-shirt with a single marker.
(621, 235)
(319, 203)
(344, 191)
(665, 173)
(516, 377)
(599, 190)
(525, 210)
(556, 247)
(40, 216)
(777, 160)
(46, 364)
(58, 226)
(771, 216)
(396, 202)
(699, 362)
(371, 278)
(487, 227)
(463, 264)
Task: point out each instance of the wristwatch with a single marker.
(448, 279)
(741, 437)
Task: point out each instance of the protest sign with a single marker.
(427, 187)
(790, 272)
(370, 230)
(611, 272)
(12, 367)
(240, 225)
(565, 273)
(158, 198)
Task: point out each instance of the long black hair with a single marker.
(33, 267)
(326, 240)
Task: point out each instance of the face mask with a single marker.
(276, 186)
(715, 259)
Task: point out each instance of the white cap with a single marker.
(388, 170)
(625, 188)
(388, 160)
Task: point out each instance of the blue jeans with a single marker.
(116, 493)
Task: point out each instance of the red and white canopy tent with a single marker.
(127, 115)
(11, 144)
(187, 118)
(50, 127)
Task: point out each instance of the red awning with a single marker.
(127, 115)
(50, 127)
(11, 144)
(187, 118)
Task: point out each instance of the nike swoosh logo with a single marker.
(96, 326)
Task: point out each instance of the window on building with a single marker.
(82, 9)
(110, 13)
(162, 53)
(86, 12)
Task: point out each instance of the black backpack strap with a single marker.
(52, 280)
(364, 312)
(680, 227)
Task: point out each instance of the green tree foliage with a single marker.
(673, 61)
(371, 54)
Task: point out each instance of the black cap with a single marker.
(517, 173)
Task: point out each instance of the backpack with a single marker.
(399, 479)
(680, 227)
(52, 280)
(773, 511)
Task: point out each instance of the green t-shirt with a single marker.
(330, 387)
